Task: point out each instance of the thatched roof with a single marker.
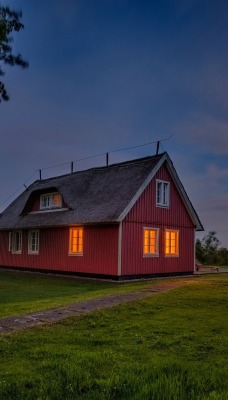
(96, 195)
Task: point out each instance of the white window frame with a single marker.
(163, 202)
(156, 253)
(71, 252)
(32, 232)
(10, 241)
(177, 239)
(16, 249)
(50, 201)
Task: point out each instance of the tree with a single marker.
(222, 256)
(200, 253)
(10, 21)
(208, 251)
(210, 244)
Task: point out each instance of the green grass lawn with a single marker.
(171, 346)
(22, 293)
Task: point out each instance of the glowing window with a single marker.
(162, 193)
(48, 201)
(76, 241)
(33, 242)
(150, 245)
(171, 243)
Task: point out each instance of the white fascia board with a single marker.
(194, 250)
(142, 188)
(192, 213)
(120, 250)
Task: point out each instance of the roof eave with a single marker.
(142, 188)
(37, 226)
(191, 211)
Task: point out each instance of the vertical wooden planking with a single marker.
(101, 242)
(145, 209)
(135, 263)
(100, 251)
(145, 213)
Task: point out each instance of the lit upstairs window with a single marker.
(76, 241)
(49, 201)
(150, 245)
(162, 193)
(171, 243)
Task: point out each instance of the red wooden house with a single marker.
(132, 219)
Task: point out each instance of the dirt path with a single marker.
(19, 323)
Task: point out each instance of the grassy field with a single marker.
(21, 293)
(172, 346)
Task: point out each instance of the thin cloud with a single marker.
(211, 134)
(215, 172)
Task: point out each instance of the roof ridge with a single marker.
(104, 167)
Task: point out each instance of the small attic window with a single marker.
(50, 200)
(162, 193)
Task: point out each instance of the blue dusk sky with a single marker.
(109, 74)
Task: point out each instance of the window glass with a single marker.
(10, 241)
(162, 198)
(48, 201)
(16, 242)
(171, 243)
(76, 241)
(150, 246)
(33, 242)
(56, 200)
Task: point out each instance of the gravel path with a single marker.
(19, 323)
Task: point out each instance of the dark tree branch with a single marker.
(9, 22)
(3, 93)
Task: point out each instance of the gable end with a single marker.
(188, 205)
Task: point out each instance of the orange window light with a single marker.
(150, 241)
(76, 240)
(172, 243)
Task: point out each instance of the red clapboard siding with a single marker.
(146, 214)
(100, 251)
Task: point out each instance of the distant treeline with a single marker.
(209, 252)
